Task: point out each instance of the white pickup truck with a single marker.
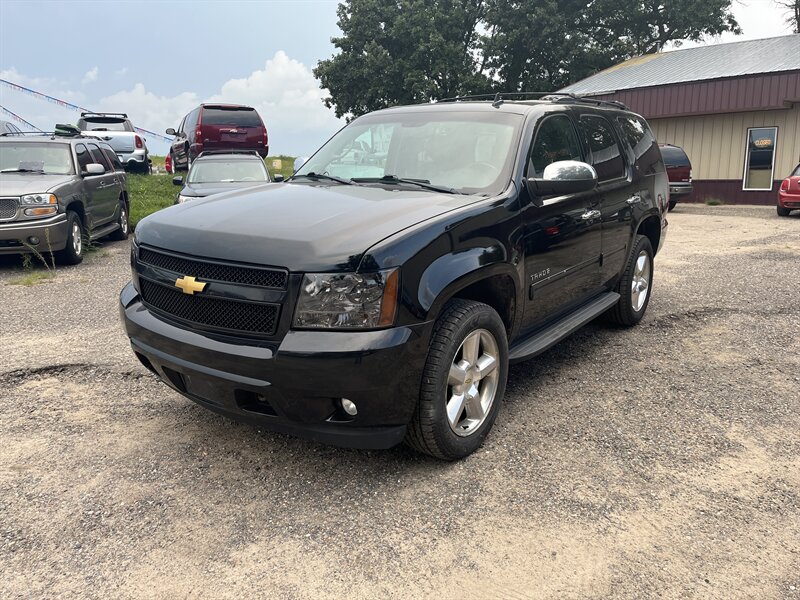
(117, 130)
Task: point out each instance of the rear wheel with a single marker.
(122, 221)
(783, 212)
(635, 285)
(72, 253)
(672, 205)
(463, 382)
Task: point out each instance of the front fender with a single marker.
(449, 274)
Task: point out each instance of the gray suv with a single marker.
(58, 192)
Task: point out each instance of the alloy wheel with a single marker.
(472, 382)
(640, 282)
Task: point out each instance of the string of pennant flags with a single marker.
(64, 104)
(17, 118)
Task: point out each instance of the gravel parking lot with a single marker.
(658, 461)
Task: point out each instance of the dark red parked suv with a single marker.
(217, 127)
(679, 171)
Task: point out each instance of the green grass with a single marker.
(149, 193)
(714, 202)
(32, 278)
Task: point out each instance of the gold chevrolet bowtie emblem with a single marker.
(190, 285)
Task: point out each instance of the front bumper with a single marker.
(680, 189)
(293, 385)
(15, 236)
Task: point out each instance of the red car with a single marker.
(789, 193)
(217, 127)
(679, 172)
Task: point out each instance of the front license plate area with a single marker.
(206, 389)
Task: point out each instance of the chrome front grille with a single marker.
(8, 208)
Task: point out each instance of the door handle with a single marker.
(589, 215)
(635, 199)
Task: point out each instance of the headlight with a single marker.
(348, 300)
(182, 199)
(38, 199)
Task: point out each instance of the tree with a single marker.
(792, 8)
(409, 51)
(402, 52)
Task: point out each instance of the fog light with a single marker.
(33, 240)
(349, 407)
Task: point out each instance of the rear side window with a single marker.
(112, 157)
(643, 144)
(236, 117)
(674, 156)
(796, 172)
(606, 156)
(83, 156)
(99, 157)
(556, 140)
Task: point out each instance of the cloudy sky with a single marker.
(158, 60)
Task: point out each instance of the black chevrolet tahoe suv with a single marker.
(379, 295)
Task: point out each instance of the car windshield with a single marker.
(227, 171)
(35, 157)
(469, 152)
(107, 125)
(674, 156)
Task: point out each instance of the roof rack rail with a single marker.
(498, 98)
(213, 152)
(103, 114)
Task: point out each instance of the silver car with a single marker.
(117, 130)
(59, 192)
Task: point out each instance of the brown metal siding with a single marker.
(768, 91)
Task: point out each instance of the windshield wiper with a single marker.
(423, 183)
(22, 171)
(318, 176)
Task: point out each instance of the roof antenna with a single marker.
(498, 100)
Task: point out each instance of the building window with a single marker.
(759, 160)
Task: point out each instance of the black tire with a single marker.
(430, 431)
(783, 212)
(672, 205)
(123, 221)
(73, 252)
(624, 313)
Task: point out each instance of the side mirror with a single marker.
(563, 177)
(299, 162)
(170, 131)
(177, 180)
(277, 178)
(95, 169)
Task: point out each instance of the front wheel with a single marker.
(463, 382)
(72, 254)
(783, 212)
(635, 285)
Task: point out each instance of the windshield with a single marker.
(52, 159)
(226, 171)
(471, 152)
(106, 125)
(237, 117)
(674, 156)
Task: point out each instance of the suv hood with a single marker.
(297, 226)
(17, 184)
(201, 190)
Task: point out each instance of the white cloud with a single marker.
(90, 76)
(121, 72)
(285, 93)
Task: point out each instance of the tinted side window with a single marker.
(112, 158)
(99, 157)
(83, 156)
(555, 140)
(606, 156)
(643, 144)
(236, 117)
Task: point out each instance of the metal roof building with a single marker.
(734, 108)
